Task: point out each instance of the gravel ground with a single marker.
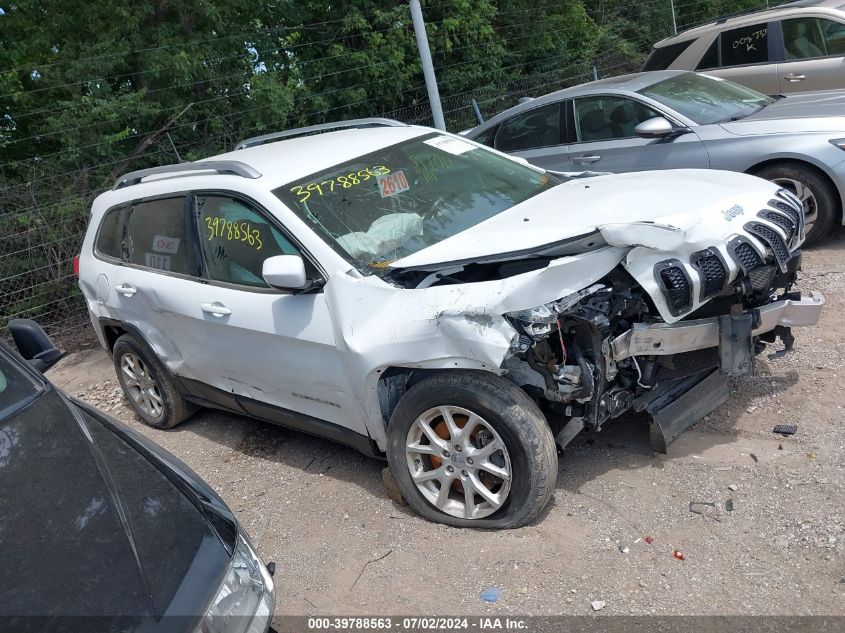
(342, 547)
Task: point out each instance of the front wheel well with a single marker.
(792, 162)
(393, 382)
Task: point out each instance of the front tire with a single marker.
(471, 449)
(821, 204)
(147, 385)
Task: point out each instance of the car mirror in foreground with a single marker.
(33, 344)
(285, 271)
(658, 127)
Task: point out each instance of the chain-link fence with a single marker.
(44, 209)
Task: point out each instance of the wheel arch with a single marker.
(803, 162)
(394, 381)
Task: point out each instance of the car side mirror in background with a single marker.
(658, 127)
(285, 271)
(34, 345)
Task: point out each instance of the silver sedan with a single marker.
(676, 119)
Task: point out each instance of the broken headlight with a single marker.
(541, 320)
(245, 599)
(537, 321)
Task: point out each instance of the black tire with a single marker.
(828, 205)
(174, 408)
(512, 414)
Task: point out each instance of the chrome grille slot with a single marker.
(676, 286)
(712, 272)
(746, 256)
(773, 239)
(782, 220)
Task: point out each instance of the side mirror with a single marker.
(34, 345)
(285, 271)
(658, 127)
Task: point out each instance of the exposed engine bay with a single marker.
(571, 354)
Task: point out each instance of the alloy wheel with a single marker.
(807, 198)
(458, 462)
(141, 385)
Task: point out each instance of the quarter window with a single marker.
(745, 45)
(536, 128)
(804, 38)
(663, 57)
(156, 235)
(604, 118)
(111, 239)
(236, 240)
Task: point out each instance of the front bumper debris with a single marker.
(662, 339)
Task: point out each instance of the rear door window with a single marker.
(745, 45)
(156, 233)
(539, 127)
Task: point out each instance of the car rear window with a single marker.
(661, 58)
(110, 239)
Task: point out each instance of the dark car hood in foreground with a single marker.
(91, 526)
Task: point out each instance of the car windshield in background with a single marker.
(705, 99)
(406, 197)
(17, 389)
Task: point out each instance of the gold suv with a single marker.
(796, 47)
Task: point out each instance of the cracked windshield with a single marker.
(394, 202)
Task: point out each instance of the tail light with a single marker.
(76, 265)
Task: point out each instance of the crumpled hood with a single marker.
(697, 201)
(804, 112)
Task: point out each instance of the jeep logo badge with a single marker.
(731, 213)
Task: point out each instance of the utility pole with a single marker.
(674, 19)
(427, 66)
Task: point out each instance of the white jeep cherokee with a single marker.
(417, 295)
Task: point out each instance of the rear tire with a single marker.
(147, 385)
(821, 203)
(495, 413)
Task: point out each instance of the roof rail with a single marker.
(231, 167)
(317, 129)
(738, 14)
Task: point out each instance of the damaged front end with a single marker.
(615, 346)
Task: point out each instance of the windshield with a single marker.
(17, 388)
(403, 198)
(705, 99)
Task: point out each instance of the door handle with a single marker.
(126, 290)
(794, 77)
(585, 158)
(216, 309)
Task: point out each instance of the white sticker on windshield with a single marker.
(451, 145)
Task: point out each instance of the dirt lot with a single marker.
(319, 510)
